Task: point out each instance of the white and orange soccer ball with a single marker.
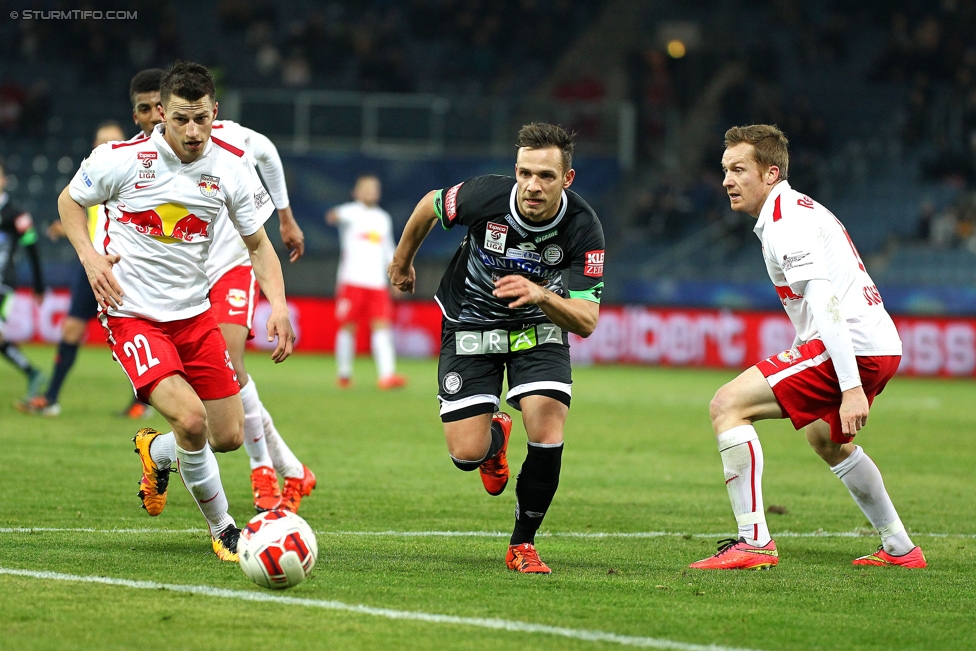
(277, 549)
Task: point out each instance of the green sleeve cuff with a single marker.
(593, 294)
(439, 208)
(29, 237)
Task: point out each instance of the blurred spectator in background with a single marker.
(363, 290)
(82, 309)
(17, 230)
(926, 217)
(653, 91)
(12, 98)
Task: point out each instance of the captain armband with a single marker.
(593, 294)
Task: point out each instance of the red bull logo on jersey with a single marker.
(373, 237)
(790, 356)
(209, 185)
(237, 298)
(168, 223)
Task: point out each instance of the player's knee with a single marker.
(720, 408)
(826, 449)
(228, 436)
(192, 421)
(73, 330)
(468, 451)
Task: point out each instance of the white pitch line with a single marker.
(496, 534)
(432, 618)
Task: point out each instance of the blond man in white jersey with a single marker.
(846, 349)
(161, 196)
(362, 288)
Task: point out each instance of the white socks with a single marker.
(384, 354)
(345, 352)
(381, 343)
(742, 459)
(163, 450)
(285, 462)
(254, 439)
(863, 479)
(263, 443)
(201, 476)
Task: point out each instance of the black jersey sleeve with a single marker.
(469, 200)
(586, 267)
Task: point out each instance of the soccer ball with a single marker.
(277, 549)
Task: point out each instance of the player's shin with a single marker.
(284, 460)
(863, 479)
(345, 353)
(254, 438)
(201, 476)
(63, 361)
(742, 460)
(534, 489)
(381, 342)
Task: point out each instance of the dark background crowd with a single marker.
(878, 99)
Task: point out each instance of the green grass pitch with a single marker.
(411, 550)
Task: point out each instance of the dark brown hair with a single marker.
(187, 80)
(539, 135)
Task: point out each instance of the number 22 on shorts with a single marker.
(137, 349)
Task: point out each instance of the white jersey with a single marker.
(160, 216)
(366, 243)
(228, 250)
(96, 227)
(802, 241)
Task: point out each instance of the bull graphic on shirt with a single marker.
(168, 223)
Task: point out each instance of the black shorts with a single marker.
(472, 366)
(83, 304)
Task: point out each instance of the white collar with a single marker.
(159, 139)
(769, 206)
(530, 226)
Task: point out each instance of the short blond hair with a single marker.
(769, 143)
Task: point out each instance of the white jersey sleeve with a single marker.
(250, 205)
(262, 153)
(266, 157)
(228, 249)
(803, 241)
(98, 178)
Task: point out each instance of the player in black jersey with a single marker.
(529, 271)
(17, 229)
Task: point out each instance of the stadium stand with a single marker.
(879, 104)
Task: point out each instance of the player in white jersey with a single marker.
(233, 295)
(846, 349)
(362, 288)
(82, 307)
(234, 291)
(161, 196)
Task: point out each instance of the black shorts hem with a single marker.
(468, 412)
(561, 396)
